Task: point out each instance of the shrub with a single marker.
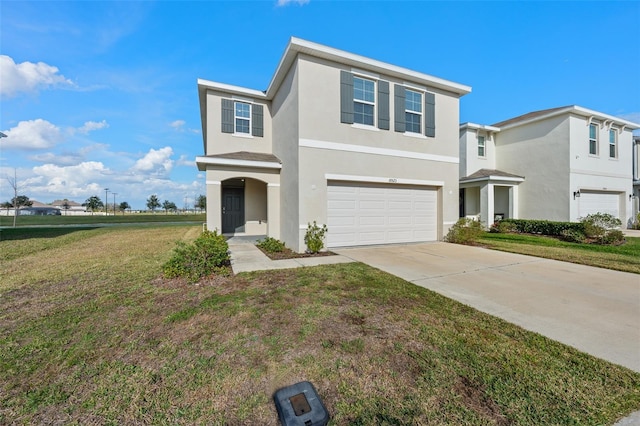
(504, 227)
(572, 236)
(543, 227)
(271, 245)
(314, 237)
(465, 231)
(636, 225)
(602, 228)
(203, 257)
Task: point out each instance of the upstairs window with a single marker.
(593, 139)
(481, 146)
(413, 111)
(242, 117)
(613, 143)
(364, 101)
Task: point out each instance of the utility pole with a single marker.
(15, 196)
(106, 201)
(114, 203)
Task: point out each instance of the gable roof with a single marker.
(569, 109)
(490, 174)
(240, 159)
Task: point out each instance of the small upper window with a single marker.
(593, 139)
(481, 146)
(364, 101)
(243, 117)
(613, 143)
(413, 111)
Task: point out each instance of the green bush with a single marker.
(206, 255)
(271, 245)
(503, 227)
(465, 231)
(603, 228)
(314, 237)
(572, 236)
(543, 227)
(636, 225)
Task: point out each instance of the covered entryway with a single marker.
(592, 202)
(370, 213)
(233, 206)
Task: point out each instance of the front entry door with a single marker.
(232, 210)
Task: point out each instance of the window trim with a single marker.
(236, 117)
(614, 133)
(420, 113)
(483, 146)
(595, 139)
(373, 104)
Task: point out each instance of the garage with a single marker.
(599, 202)
(365, 214)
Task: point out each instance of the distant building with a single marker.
(39, 211)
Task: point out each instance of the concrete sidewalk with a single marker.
(246, 257)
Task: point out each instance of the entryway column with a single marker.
(491, 204)
(513, 204)
(273, 210)
(214, 206)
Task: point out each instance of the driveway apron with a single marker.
(592, 309)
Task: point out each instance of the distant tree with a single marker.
(169, 205)
(124, 206)
(16, 201)
(153, 203)
(93, 203)
(65, 205)
(22, 200)
(201, 202)
(6, 205)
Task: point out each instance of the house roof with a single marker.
(69, 202)
(491, 174)
(569, 109)
(240, 159)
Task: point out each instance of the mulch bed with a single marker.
(290, 254)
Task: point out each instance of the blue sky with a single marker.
(101, 95)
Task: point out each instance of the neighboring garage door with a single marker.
(362, 214)
(599, 202)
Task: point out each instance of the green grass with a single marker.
(90, 333)
(625, 257)
(100, 219)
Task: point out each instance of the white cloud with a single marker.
(186, 161)
(288, 2)
(178, 124)
(90, 126)
(78, 180)
(28, 77)
(155, 162)
(634, 117)
(31, 135)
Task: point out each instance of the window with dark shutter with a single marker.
(398, 108)
(227, 116)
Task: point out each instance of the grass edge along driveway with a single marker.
(93, 334)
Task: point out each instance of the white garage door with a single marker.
(599, 202)
(362, 214)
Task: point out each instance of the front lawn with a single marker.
(91, 334)
(625, 257)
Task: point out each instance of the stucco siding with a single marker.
(285, 147)
(540, 152)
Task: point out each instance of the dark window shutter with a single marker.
(257, 117)
(346, 97)
(399, 108)
(383, 105)
(430, 115)
(227, 116)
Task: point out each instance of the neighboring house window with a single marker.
(413, 111)
(593, 139)
(242, 117)
(613, 144)
(481, 146)
(364, 101)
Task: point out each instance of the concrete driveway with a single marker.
(592, 309)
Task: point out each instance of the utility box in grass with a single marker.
(300, 405)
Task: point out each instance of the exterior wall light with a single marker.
(576, 194)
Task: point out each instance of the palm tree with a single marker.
(153, 203)
(93, 203)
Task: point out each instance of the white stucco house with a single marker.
(557, 164)
(366, 147)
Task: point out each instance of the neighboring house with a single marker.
(68, 206)
(636, 177)
(368, 148)
(557, 164)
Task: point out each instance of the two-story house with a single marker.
(557, 164)
(366, 147)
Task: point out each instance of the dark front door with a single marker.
(232, 210)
